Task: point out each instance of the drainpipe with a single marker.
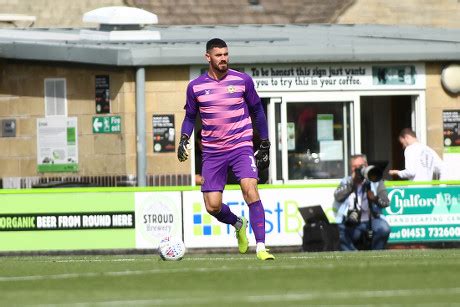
(140, 126)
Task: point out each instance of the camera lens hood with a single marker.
(372, 173)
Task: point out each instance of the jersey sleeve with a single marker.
(255, 107)
(191, 109)
(250, 95)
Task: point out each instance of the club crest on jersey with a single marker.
(231, 89)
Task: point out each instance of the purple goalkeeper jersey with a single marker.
(224, 107)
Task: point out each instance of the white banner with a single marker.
(311, 77)
(283, 222)
(423, 219)
(451, 168)
(158, 214)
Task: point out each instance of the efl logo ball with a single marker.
(171, 248)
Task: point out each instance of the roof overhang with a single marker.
(185, 45)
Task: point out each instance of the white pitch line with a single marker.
(149, 259)
(91, 260)
(156, 271)
(369, 255)
(180, 269)
(284, 297)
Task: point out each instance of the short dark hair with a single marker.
(407, 131)
(357, 156)
(215, 43)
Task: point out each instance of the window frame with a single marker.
(47, 97)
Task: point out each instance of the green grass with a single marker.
(394, 278)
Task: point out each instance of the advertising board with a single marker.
(283, 222)
(116, 218)
(430, 213)
(158, 214)
(87, 220)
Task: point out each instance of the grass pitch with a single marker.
(394, 278)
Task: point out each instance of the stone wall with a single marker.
(244, 11)
(436, 13)
(54, 13)
(165, 94)
(437, 100)
(22, 98)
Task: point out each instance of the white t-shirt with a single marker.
(421, 162)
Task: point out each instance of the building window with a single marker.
(55, 97)
(318, 139)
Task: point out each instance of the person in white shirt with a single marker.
(421, 162)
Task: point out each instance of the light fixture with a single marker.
(450, 78)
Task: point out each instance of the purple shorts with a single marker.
(215, 167)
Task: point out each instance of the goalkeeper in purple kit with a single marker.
(225, 99)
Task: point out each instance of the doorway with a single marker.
(382, 118)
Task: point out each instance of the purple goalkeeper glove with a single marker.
(262, 155)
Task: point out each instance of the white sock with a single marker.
(260, 247)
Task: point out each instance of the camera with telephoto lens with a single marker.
(371, 173)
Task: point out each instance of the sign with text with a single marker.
(111, 218)
(89, 220)
(451, 142)
(310, 77)
(106, 124)
(394, 75)
(163, 133)
(57, 144)
(283, 222)
(102, 94)
(420, 214)
(158, 214)
(8, 128)
(451, 130)
(67, 221)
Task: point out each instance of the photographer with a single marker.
(358, 201)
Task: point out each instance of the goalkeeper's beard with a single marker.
(218, 68)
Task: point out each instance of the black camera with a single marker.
(353, 217)
(371, 173)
